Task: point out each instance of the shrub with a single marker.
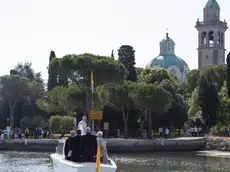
(61, 123)
(67, 123)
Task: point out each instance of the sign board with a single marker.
(96, 115)
(106, 125)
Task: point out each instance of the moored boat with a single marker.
(60, 164)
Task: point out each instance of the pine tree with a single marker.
(52, 80)
(228, 74)
(126, 54)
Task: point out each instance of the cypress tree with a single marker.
(228, 74)
(112, 55)
(126, 54)
(208, 100)
(52, 80)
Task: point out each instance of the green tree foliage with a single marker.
(54, 101)
(228, 74)
(208, 100)
(217, 74)
(138, 71)
(26, 71)
(126, 54)
(61, 123)
(67, 123)
(154, 98)
(194, 106)
(13, 89)
(178, 113)
(32, 122)
(78, 69)
(224, 108)
(55, 123)
(63, 100)
(52, 72)
(192, 80)
(117, 96)
(152, 75)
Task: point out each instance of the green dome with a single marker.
(166, 61)
(212, 4)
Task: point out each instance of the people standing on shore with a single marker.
(191, 130)
(161, 131)
(166, 132)
(27, 133)
(200, 131)
(195, 131)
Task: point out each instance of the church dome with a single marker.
(212, 4)
(167, 61)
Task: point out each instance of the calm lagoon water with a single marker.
(205, 161)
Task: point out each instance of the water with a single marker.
(154, 162)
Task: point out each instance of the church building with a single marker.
(168, 60)
(211, 36)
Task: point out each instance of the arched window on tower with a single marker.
(203, 38)
(210, 39)
(222, 38)
(218, 37)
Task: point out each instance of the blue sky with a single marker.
(30, 29)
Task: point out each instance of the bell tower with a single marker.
(211, 36)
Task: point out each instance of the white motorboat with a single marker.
(60, 164)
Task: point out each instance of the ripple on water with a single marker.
(168, 162)
(151, 162)
(25, 162)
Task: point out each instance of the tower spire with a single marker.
(167, 32)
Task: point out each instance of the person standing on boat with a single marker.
(76, 156)
(69, 144)
(82, 125)
(100, 141)
(89, 146)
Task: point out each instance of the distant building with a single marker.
(169, 61)
(211, 36)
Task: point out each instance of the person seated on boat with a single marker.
(103, 148)
(76, 156)
(100, 140)
(88, 146)
(69, 144)
(82, 125)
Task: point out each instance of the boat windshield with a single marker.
(59, 148)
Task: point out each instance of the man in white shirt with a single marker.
(160, 131)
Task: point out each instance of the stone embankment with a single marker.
(114, 145)
(218, 143)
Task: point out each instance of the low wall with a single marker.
(156, 145)
(44, 145)
(114, 145)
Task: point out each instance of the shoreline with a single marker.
(218, 143)
(181, 144)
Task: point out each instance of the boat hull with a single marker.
(62, 165)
